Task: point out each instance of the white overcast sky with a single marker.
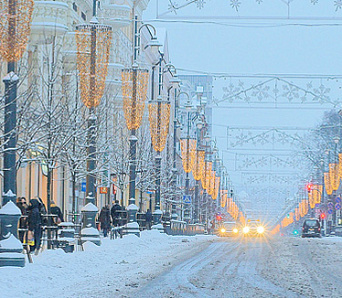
(244, 45)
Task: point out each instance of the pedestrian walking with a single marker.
(21, 203)
(104, 219)
(115, 213)
(148, 218)
(34, 222)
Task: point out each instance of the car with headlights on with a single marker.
(253, 228)
(227, 229)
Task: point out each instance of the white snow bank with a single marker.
(109, 270)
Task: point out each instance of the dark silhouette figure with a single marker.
(34, 222)
(115, 214)
(149, 218)
(104, 219)
(21, 203)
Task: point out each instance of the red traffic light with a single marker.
(218, 217)
(322, 215)
(309, 187)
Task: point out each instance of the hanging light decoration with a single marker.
(334, 176)
(327, 184)
(188, 148)
(198, 166)
(224, 198)
(159, 116)
(311, 199)
(134, 93)
(297, 215)
(216, 187)
(15, 28)
(206, 174)
(318, 193)
(93, 45)
(211, 183)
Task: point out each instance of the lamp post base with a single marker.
(89, 231)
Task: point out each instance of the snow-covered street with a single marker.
(157, 265)
(280, 267)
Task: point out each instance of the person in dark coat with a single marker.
(42, 210)
(54, 209)
(148, 217)
(115, 214)
(34, 222)
(21, 203)
(104, 219)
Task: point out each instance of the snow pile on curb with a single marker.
(112, 269)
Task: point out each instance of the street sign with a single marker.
(187, 199)
(338, 206)
(84, 186)
(330, 211)
(103, 190)
(338, 200)
(330, 205)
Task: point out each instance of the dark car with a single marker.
(311, 228)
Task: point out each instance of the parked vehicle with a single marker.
(311, 228)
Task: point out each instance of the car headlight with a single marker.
(235, 231)
(223, 230)
(260, 230)
(245, 230)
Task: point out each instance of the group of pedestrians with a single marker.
(114, 216)
(33, 219)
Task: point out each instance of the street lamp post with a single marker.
(134, 92)
(15, 25)
(93, 44)
(159, 117)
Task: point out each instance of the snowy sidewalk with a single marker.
(111, 270)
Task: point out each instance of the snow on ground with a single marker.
(311, 266)
(111, 270)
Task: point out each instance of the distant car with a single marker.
(253, 228)
(228, 229)
(311, 228)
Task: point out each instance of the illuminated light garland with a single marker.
(334, 176)
(297, 215)
(211, 183)
(327, 184)
(216, 187)
(311, 199)
(317, 197)
(198, 166)
(93, 46)
(159, 117)
(134, 99)
(15, 28)
(340, 165)
(224, 198)
(188, 148)
(206, 173)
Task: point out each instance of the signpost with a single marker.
(187, 199)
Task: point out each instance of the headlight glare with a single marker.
(245, 230)
(260, 230)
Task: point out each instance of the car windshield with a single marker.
(311, 223)
(229, 225)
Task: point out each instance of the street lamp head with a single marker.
(199, 124)
(154, 44)
(175, 81)
(207, 137)
(199, 90)
(336, 140)
(188, 106)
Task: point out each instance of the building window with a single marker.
(83, 15)
(74, 6)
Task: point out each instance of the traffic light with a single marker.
(322, 216)
(218, 217)
(309, 187)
